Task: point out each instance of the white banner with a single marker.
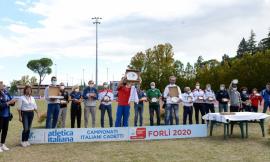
(67, 135)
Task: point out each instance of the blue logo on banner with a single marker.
(60, 136)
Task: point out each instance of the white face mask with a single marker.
(244, 92)
(106, 86)
(234, 89)
(197, 87)
(188, 92)
(62, 87)
(77, 90)
(222, 88)
(152, 87)
(54, 82)
(208, 88)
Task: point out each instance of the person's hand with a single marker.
(20, 118)
(11, 102)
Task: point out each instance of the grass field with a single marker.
(255, 148)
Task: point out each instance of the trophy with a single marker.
(235, 81)
(174, 94)
(54, 93)
(133, 76)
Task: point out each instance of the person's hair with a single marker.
(268, 83)
(90, 81)
(197, 83)
(62, 84)
(25, 88)
(53, 77)
(254, 89)
(75, 87)
(187, 89)
(244, 88)
(152, 83)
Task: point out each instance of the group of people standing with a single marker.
(199, 100)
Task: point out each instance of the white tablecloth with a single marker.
(239, 116)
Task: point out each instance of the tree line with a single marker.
(250, 66)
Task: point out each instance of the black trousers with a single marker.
(152, 109)
(103, 109)
(4, 122)
(199, 107)
(75, 113)
(187, 113)
(209, 108)
(234, 108)
(27, 118)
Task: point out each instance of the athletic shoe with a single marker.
(4, 147)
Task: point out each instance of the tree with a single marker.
(156, 64)
(242, 48)
(42, 67)
(264, 44)
(199, 63)
(251, 44)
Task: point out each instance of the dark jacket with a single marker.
(65, 95)
(4, 108)
(222, 94)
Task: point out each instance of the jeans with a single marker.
(138, 114)
(103, 109)
(75, 113)
(52, 115)
(170, 111)
(27, 118)
(4, 122)
(152, 109)
(188, 111)
(209, 107)
(265, 106)
(92, 110)
(199, 107)
(62, 117)
(122, 112)
(223, 107)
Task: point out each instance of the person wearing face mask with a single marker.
(5, 102)
(172, 104)
(123, 108)
(106, 97)
(246, 104)
(27, 107)
(153, 96)
(188, 100)
(90, 96)
(223, 98)
(53, 106)
(63, 106)
(266, 97)
(256, 100)
(235, 98)
(210, 98)
(199, 102)
(76, 110)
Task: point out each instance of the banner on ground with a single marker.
(67, 135)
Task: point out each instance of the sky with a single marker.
(64, 31)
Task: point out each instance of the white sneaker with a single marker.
(4, 147)
(1, 150)
(23, 144)
(27, 143)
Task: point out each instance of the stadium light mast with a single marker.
(96, 21)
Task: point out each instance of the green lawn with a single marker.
(255, 148)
